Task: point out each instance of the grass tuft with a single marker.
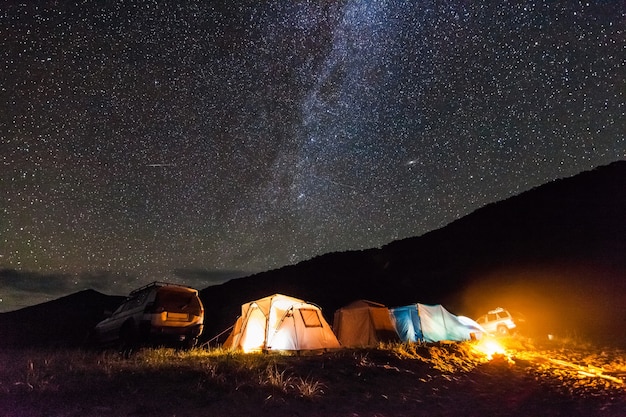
(309, 388)
(278, 379)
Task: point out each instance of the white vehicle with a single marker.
(156, 313)
(498, 321)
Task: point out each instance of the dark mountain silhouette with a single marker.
(63, 322)
(556, 253)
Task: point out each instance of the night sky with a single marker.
(200, 141)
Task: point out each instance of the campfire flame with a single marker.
(490, 348)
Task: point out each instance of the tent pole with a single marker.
(267, 324)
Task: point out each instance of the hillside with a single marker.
(59, 323)
(555, 253)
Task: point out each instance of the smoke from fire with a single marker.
(565, 300)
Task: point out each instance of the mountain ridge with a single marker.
(546, 251)
(63, 322)
(572, 223)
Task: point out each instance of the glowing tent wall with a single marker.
(280, 322)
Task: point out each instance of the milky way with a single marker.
(201, 141)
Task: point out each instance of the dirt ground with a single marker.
(448, 379)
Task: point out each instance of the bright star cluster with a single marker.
(200, 141)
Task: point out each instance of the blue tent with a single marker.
(432, 323)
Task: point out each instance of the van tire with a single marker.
(128, 339)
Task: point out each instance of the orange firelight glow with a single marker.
(490, 348)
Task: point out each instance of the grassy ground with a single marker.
(445, 379)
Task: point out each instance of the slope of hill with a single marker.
(555, 252)
(60, 323)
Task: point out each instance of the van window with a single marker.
(176, 301)
(131, 303)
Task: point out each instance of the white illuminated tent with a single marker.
(280, 322)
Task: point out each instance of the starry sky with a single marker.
(199, 141)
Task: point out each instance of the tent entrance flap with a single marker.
(408, 323)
